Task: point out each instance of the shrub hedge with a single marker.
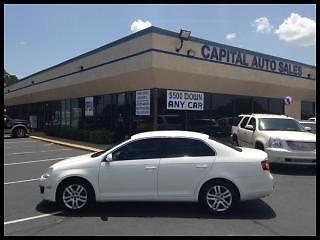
(102, 136)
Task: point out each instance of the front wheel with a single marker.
(219, 197)
(75, 196)
(19, 132)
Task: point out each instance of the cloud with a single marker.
(262, 25)
(22, 43)
(297, 30)
(231, 36)
(139, 25)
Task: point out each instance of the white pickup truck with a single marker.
(282, 137)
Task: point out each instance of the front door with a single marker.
(132, 173)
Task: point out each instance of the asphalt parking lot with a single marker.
(289, 210)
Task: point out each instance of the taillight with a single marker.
(265, 165)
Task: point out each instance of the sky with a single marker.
(39, 36)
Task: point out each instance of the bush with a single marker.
(102, 136)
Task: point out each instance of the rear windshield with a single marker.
(227, 144)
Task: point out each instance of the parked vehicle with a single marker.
(170, 122)
(207, 126)
(310, 126)
(161, 166)
(314, 119)
(283, 138)
(16, 127)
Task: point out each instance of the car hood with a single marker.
(16, 121)
(292, 135)
(82, 161)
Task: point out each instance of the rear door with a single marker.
(184, 162)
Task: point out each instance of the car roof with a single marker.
(265, 115)
(170, 133)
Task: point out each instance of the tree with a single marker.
(9, 79)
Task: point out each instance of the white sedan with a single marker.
(161, 166)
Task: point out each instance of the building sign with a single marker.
(143, 102)
(181, 100)
(237, 57)
(88, 106)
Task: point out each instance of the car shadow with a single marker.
(293, 169)
(254, 209)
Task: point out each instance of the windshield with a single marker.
(280, 124)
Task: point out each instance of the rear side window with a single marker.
(244, 122)
(184, 147)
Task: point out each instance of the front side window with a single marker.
(140, 149)
(252, 122)
(279, 124)
(184, 147)
(244, 122)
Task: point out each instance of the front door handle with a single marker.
(151, 167)
(201, 166)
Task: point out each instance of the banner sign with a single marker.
(143, 103)
(88, 106)
(242, 58)
(181, 100)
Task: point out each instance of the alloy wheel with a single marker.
(219, 198)
(75, 196)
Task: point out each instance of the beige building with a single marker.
(198, 79)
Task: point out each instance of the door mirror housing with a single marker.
(250, 127)
(308, 129)
(108, 158)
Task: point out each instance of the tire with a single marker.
(259, 146)
(75, 195)
(19, 132)
(219, 197)
(235, 141)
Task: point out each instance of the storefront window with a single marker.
(307, 109)
(63, 112)
(276, 106)
(260, 105)
(75, 113)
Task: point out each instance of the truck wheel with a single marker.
(19, 132)
(259, 146)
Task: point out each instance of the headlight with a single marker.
(47, 173)
(275, 143)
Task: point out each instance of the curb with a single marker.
(90, 149)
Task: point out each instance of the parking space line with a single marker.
(35, 161)
(31, 218)
(22, 181)
(22, 141)
(57, 150)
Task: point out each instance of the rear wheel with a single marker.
(219, 197)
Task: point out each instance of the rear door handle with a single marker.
(201, 166)
(151, 167)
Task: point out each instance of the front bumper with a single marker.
(291, 157)
(47, 189)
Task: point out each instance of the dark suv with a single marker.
(16, 127)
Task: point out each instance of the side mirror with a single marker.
(108, 157)
(307, 129)
(250, 127)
